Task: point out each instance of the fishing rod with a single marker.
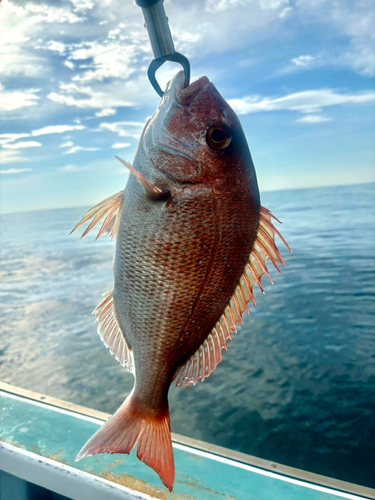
(159, 33)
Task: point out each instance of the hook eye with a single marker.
(157, 63)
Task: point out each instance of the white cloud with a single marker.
(74, 168)
(22, 145)
(224, 5)
(124, 129)
(70, 168)
(69, 65)
(11, 100)
(273, 4)
(105, 59)
(314, 119)
(75, 149)
(56, 129)
(285, 12)
(6, 138)
(44, 13)
(11, 156)
(66, 144)
(87, 97)
(308, 101)
(58, 47)
(302, 60)
(82, 5)
(121, 145)
(106, 112)
(14, 171)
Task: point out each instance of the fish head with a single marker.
(195, 137)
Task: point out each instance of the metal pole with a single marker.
(159, 33)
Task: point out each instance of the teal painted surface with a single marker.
(60, 435)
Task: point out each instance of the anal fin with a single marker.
(205, 360)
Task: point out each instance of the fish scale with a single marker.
(191, 242)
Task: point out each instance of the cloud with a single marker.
(314, 119)
(303, 60)
(75, 149)
(66, 144)
(69, 65)
(351, 28)
(72, 94)
(7, 141)
(308, 101)
(82, 5)
(14, 171)
(6, 138)
(58, 47)
(11, 156)
(43, 13)
(120, 145)
(71, 168)
(105, 59)
(124, 129)
(56, 129)
(106, 112)
(11, 100)
(22, 145)
(223, 5)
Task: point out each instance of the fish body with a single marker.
(178, 259)
(186, 227)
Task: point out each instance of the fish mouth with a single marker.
(186, 96)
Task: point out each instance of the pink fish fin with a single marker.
(110, 332)
(134, 421)
(151, 190)
(209, 354)
(108, 208)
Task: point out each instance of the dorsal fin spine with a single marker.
(244, 301)
(249, 288)
(237, 305)
(231, 317)
(261, 265)
(271, 243)
(268, 253)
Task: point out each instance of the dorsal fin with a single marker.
(110, 331)
(110, 208)
(205, 360)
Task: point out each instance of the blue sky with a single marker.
(74, 92)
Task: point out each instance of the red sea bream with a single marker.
(191, 242)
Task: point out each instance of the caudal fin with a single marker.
(133, 421)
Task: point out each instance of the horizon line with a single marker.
(263, 191)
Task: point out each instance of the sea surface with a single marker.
(297, 385)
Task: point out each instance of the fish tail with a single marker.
(134, 421)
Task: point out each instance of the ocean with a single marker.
(297, 385)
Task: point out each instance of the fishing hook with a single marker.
(159, 33)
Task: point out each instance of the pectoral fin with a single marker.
(151, 190)
(109, 208)
(205, 360)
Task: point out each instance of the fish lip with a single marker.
(185, 96)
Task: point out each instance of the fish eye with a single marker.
(218, 136)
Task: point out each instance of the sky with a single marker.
(74, 90)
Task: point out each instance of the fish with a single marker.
(192, 240)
